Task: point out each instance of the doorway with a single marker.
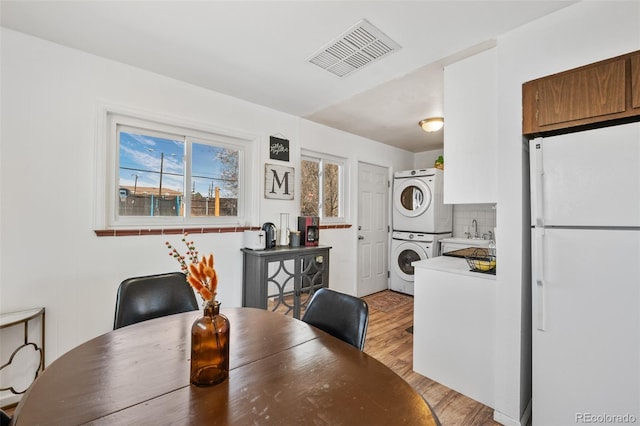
(373, 229)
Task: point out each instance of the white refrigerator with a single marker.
(585, 213)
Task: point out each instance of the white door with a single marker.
(404, 253)
(411, 197)
(373, 229)
(403, 256)
(589, 178)
(586, 330)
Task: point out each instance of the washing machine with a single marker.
(406, 248)
(418, 202)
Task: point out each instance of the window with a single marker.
(171, 175)
(323, 187)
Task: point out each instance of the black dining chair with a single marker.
(5, 419)
(153, 296)
(341, 315)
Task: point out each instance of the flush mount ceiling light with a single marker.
(432, 124)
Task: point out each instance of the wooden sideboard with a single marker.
(283, 279)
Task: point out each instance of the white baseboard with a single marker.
(505, 420)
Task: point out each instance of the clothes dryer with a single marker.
(406, 248)
(418, 202)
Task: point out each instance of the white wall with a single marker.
(50, 255)
(577, 35)
(356, 149)
(464, 214)
(426, 159)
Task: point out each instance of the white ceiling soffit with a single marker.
(360, 45)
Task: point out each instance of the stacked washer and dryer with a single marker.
(420, 220)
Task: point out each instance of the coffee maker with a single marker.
(270, 235)
(309, 227)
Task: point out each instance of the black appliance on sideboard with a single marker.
(270, 235)
(309, 227)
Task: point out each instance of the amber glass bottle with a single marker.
(210, 347)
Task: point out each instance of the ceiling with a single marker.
(258, 51)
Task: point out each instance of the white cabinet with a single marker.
(454, 327)
(470, 131)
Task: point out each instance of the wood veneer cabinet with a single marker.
(595, 93)
(635, 80)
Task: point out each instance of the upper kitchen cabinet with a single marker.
(595, 93)
(470, 131)
(635, 80)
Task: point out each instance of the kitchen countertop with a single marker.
(454, 265)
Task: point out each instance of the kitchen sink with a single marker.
(469, 252)
(469, 242)
(452, 244)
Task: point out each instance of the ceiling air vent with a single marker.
(359, 46)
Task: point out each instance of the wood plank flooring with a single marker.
(390, 343)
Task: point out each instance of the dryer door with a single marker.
(411, 197)
(404, 254)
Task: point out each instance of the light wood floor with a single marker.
(388, 341)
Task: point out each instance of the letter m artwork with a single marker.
(278, 182)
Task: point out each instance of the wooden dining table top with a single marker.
(282, 372)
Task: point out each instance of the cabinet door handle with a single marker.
(539, 286)
(538, 182)
(360, 237)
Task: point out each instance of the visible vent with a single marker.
(360, 45)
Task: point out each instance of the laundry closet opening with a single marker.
(420, 219)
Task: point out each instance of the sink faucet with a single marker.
(474, 224)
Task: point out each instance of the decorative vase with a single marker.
(210, 347)
(284, 229)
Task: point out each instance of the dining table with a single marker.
(283, 371)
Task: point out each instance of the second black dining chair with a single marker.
(5, 419)
(153, 296)
(341, 315)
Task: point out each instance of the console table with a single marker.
(22, 318)
(283, 279)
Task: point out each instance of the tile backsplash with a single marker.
(463, 215)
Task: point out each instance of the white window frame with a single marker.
(107, 168)
(343, 184)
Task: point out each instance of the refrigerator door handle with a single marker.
(539, 284)
(538, 183)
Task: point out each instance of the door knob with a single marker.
(360, 237)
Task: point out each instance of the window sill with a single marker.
(177, 231)
(336, 226)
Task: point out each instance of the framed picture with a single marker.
(278, 148)
(278, 182)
